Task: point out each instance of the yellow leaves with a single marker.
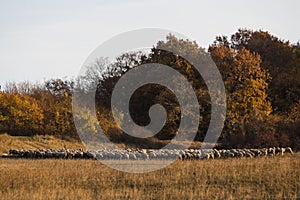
(295, 112)
(20, 111)
(245, 81)
(119, 119)
(86, 121)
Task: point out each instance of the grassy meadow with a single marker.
(259, 178)
(35, 142)
(47, 141)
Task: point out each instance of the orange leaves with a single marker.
(21, 112)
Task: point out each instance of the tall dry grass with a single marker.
(259, 178)
(8, 142)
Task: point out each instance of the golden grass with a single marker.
(259, 178)
(47, 141)
(35, 142)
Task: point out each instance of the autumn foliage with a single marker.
(261, 74)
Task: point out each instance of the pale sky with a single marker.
(51, 39)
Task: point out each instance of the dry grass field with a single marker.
(8, 142)
(259, 178)
(46, 141)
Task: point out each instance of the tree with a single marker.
(246, 86)
(279, 58)
(151, 94)
(56, 103)
(179, 51)
(20, 114)
(59, 87)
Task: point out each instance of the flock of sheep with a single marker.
(145, 154)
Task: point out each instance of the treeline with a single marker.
(261, 74)
(30, 109)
